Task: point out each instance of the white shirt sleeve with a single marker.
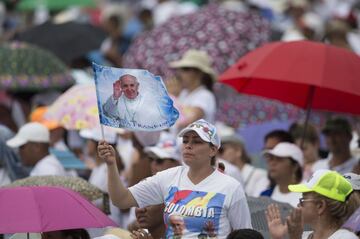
(205, 100)
(149, 191)
(239, 214)
(201, 98)
(48, 166)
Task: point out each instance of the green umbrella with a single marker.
(25, 67)
(27, 5)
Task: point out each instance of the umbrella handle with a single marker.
(308, 112)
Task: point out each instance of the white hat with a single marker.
(195, 59)
(165, 149)
(287, 150)
(314, 22)
(205, 130)
(354, 179)
(30, 132)
(110, 135)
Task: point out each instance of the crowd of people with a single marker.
(194, 179)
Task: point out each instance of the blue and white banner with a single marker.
(133, 99)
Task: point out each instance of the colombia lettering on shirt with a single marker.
(188, 212)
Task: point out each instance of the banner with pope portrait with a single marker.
(133, 99)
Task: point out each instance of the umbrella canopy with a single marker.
(225, 35)
(41, 209)
(27, 5)
(76, 108)
(76, 184)
(303, 73)
(28, 68)
(68, 41)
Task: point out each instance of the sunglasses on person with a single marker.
(303, 200)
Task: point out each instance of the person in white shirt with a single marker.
(126, 100)
(309, 142)
(98, 176)
(128, 105)
(325, 205)
(33, 141)
(210, 202)
(338, 135)
(255, 180)
(164, 155)
(285, 163)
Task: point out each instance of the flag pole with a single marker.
(102, 131)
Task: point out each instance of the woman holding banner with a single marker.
(208, 201)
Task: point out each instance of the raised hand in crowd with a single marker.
(277, 228)
(293, 226)
(106, 152)
(117, 90)
(141, 234)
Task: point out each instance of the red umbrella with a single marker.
(303, 73)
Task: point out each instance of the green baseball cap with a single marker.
(327, 183)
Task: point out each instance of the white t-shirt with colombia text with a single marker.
(214, 207)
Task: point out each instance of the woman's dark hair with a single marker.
(311, 134)
(239, 145)
(298, 172)
(245, 234)
(282, 135)
(213, 161)
(76, 233)
(207, 81)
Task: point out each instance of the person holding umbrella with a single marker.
(209, 201)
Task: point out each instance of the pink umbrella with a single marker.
(76, 108)
(41, 209)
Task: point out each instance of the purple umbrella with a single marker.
(41, 209)
(226, 35)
